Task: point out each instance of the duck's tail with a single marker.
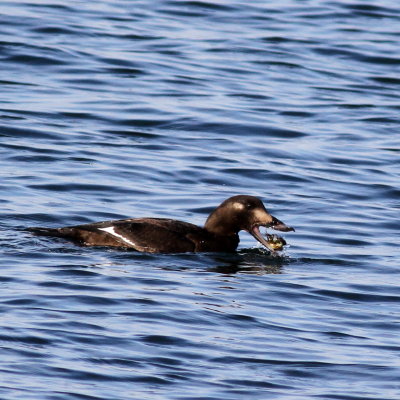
(46, 231)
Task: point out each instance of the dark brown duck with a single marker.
(162, 235)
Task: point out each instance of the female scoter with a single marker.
(162, 235)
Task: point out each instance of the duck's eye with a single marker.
(249, 206)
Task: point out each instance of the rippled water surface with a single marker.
(113, 109)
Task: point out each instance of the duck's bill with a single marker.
(280, 226)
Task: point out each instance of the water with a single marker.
(114, 109)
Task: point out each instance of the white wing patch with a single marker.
(111, 231)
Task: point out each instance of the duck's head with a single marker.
(245, 213)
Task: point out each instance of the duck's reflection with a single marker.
(249, 261)
(246, 261)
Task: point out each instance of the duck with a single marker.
(220, 232)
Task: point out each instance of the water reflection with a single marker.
(248, 261)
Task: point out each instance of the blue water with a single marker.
(115, 109)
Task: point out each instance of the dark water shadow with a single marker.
(249, 261)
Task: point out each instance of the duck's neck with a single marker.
(220, 224)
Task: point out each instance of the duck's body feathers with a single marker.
(150, 235)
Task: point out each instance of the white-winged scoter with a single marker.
(162, 235)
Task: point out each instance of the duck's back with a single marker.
(152, 235)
